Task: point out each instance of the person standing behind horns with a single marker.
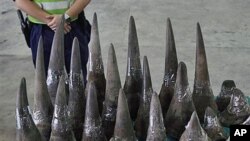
(45, 16)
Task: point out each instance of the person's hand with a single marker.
(67, 28)
(54, 22)
(48, 19)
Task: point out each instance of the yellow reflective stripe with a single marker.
(57, 11)
(34, 20)
(54, 5)
(47, 0)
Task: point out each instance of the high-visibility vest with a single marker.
(52, 7)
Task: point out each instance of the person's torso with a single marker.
(51, 7)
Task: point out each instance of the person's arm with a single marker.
(77, 7)
(73, 11)
(33, 10)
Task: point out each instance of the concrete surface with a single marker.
(226, 31)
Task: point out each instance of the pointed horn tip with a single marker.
(194, 119)
(145, 59)
(194, 115)
(92, 101)
(182, 71)
(40, 43)
(199, 40)
(228, 84)
(131, 18)
(40, 56)
(111, 55)
(62, 21)
(169, 21)
(121, 96)
(60, 94)
(22, 86)
(182, 65)
(91, 88)
(123, 121)
(40, 39)
(61, 83)
(111, 48)
(122, 102)
(75, 39)
(40, 71)
(94, 17)
(198, 25)
(94, 23)
(146, 71)
(23, 81)
(21, 99)
(155, 102)
(198, 29)
(75, 43)
(169, 26)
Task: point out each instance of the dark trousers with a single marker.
(78, 29)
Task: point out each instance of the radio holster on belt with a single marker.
(25, 26)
